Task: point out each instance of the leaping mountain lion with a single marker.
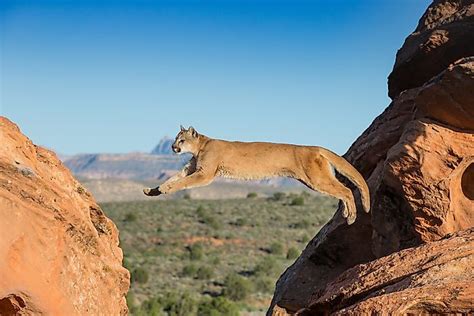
(311, 165)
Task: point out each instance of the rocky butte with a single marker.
(414, 252)
(59, 253)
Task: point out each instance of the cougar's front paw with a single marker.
(164, 188)
(152, 192)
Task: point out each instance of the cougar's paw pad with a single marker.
(151, 192)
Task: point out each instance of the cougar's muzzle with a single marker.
(175, 149)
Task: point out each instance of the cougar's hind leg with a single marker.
(320, 177)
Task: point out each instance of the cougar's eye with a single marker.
(181, 141)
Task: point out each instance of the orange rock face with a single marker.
(445, 33)
(431, 278)
(418, 160)
(59, 253)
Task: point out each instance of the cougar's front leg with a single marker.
(197, 179)
(188, 169)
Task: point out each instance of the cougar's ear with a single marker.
(192, 131)
(182, 128)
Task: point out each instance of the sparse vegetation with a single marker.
(207, 218)
(204, 273)
(279, 196)
(196, 251)
(189, 270)
(252, 195)
(276, 248)
(236, 287)
(130, 217)
(181, 265)
(297, 201)
(292, 253)
(140, 275)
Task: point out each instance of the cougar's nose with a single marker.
(175, 148)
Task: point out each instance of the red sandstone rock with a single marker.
(418, 159)
(445, 33)
(432, 278)
(59, 253)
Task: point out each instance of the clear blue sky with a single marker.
(116, 76)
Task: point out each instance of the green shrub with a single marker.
(215, 260)
(276, 248)
(217, 306)
(189, 270)
(140, 275)
(204, 273)
(207, 218)
(267, 267)
(179, 304)
(236, 287)
(252, 195)
(292, 253)
(241, 221)
(186, 196)
(196, 251)
(278, 196)
(264, 284)
(130, 300)
(152, 307)
(130, 217)
(297, 201)
(200, 211)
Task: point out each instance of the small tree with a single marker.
(236, 287)
(252, 195)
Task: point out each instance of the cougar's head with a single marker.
(187, 141)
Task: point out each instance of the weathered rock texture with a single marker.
(59, 253)
(445, 33)
(431, 278)
(418, 159)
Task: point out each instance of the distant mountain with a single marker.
(163, 147)
(133, 166)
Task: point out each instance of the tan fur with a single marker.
(311, 165)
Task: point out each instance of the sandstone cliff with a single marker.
(418, 159)
(59, 253)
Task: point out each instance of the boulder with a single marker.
(445, 33)
(428, 279)
(59, 253)
(418, 160)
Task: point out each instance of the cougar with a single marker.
(311, 165)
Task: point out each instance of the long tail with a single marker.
(347, 170)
